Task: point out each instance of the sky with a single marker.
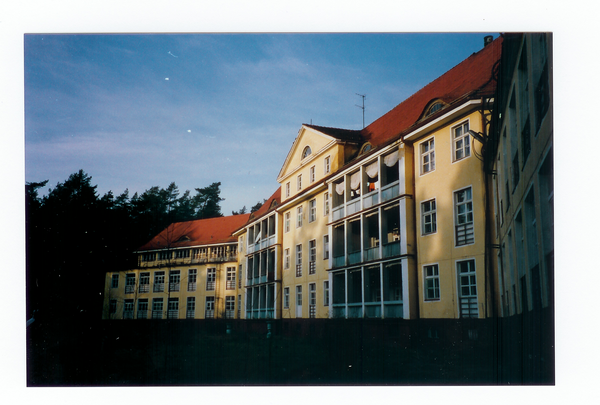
(136, 111)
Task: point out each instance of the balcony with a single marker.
(390, 191)
(354, 257)
(338, 212)
(370, 199)
(372, 253)
(391, 249)
(339, 261)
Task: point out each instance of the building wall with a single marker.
(523, 186)
(441, 247)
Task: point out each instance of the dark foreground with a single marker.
(518, 350)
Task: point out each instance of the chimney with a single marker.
(487, 40)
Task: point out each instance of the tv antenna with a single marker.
(363, 106)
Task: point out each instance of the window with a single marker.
(192, 277)
(463, 205)
(326, 204)
(461, 141)
(299, 217)
(144, 282)
(239, 307)
(287, 189)
(467, 288)
(190, 311)
(427, 156)
(157, 308)
(240, 276)
(286, 297)
(173, 308)
(230, 285)
(130, 283)
(434, 108)
(286, 258)
(112, 307)
(325, 247)
(164, 255)
(174, 280)
(326, 293)
(299, 182)
(210, 308)
(312, 256)
(327, 165)
(428, 217)
(312, 300)
(159, 281)
(230, 307)
(287, 221)
(142, 311)
(114, 281)
(312, 210)
(128, 309)
(211, 276)
(298, 260)
(306, 152)
(312, 177)
(432, 282)
(298, 295)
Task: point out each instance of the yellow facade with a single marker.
(451, 173)
(305, 215)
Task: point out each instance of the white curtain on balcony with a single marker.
(391, 159)
(339, 188)
(372, 170)
(355, 181)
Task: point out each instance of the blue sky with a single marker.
(135, 111)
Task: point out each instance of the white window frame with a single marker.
(299, 260)
(299, 214)
(174, 280)
(464, 138)
(287, 190)
(429, 153)
(286, 258)
(312, 175)
(145, 282)
(129, 283)
(230, 282)
(114, 281)
(287, 216)
(312, 210)
(298, 295)
(209, 308)
(159, 280)
(173, 308)
(157, 309)
(211, 278)
(468, 213)
(326, 293)
(326, 203)
(192, 279)
(312, 256)
(327, 165)
(299, 182)
(141, 310)
(472, 281)
(325, 247)
(286, 297)
(435, 277)
(429, 217)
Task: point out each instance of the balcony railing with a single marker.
(230, 285)
(298, 270)
(173, 314)
(339, 261)
(157, 314)
(209, 314)
(465, 234)
(372, 253)
(173, 287)
(390, 191)
(338, 212)
(190, 314)
(370, 199)
(229, 313)
(129, 289)
(353, 206)
(144, 288)
(262, 244)
(142, 314)
(159, 287)
(312, 267)
(128, 315)
(391, 249)
(191, 287)
(354, 257)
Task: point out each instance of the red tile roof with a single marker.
(200, 232)
(267, 206)
(472, 78)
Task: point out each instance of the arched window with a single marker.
(306, 152)
(366, 147)
(434, 108)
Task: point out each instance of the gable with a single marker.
(308, 137)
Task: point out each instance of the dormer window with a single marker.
(434, 108)
(366, 147)
(306, 152)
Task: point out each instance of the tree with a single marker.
(208, 200)
(257, 206)
(241, 211)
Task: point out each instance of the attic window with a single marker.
(366, 147)
(184, 238)
(306, 152)
(434, 108)
(273, 204)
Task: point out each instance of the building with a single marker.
(431, 211)
(189, 270)
(260, 256)
(520, 157)
(408, 218)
